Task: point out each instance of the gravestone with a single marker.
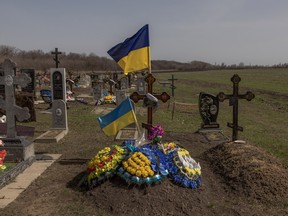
(59, 127)
(120, 96)
(58, 83)
(18, 148)
(208, 109)
(31, 86)
(233, 101)
(97, 88)
(124, 83)
(27, 95)
(2, 87)
(59, 115)
(141, 85)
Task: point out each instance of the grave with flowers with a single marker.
(146, 160)
(145, 164)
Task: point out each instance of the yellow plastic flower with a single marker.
(151, 173)
(138, 173)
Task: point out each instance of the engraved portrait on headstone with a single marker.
(208, 108)
(58, 78)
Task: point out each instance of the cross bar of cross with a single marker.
(164, 97)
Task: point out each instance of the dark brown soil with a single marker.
(237, 179)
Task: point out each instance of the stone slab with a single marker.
(50, 136)
(11, 191)
(18, 149)
(127, 134)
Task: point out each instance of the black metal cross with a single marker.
(56, 53)
(164, 97)
(172, 84)
(233, 101)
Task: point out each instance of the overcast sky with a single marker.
(214, 31)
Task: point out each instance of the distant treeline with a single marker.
(75, 62)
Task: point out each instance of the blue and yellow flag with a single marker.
(122, 116)
(134, 53)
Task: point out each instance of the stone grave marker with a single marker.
(59, 115)
(97, 90)
(120, 96)
(141, 85)
(59, 126)
(58, 79)
(208, 109)
(124, 83)
(28, 94)
(18, 148)
(233, 101)
(31, 86)
(2, 87)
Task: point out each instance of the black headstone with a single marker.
(208, 108)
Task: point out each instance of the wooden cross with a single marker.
(233, 101)
(172, 84)
(164, 97)
(12, 110)
(56, 56)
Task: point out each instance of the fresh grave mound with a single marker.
(250, 171)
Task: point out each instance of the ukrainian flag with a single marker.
(134, 53)
(122, 116)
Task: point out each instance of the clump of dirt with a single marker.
(250, 171)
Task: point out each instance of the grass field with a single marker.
(265, 118)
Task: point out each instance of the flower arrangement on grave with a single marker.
(146, 164)
(108, 99)
(3, 154)
(105, 163)
(155, 134)
(183, 169)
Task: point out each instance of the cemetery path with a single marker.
(56, 192)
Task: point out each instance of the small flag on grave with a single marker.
(122, 116)
(134, 53)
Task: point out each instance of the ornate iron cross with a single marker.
(56, 53)
(9, 80)
(233, 101)
(164, 97)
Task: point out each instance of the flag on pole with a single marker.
(134, 53)
(122, 116)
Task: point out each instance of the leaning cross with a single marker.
(56, 56)
(136, 97)
(12, 110)
(233, 101)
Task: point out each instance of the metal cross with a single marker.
(233, 101)
(9, 80)
(164, 97)
(172, 84)
(56, 53)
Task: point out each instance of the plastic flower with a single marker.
(156, 133)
